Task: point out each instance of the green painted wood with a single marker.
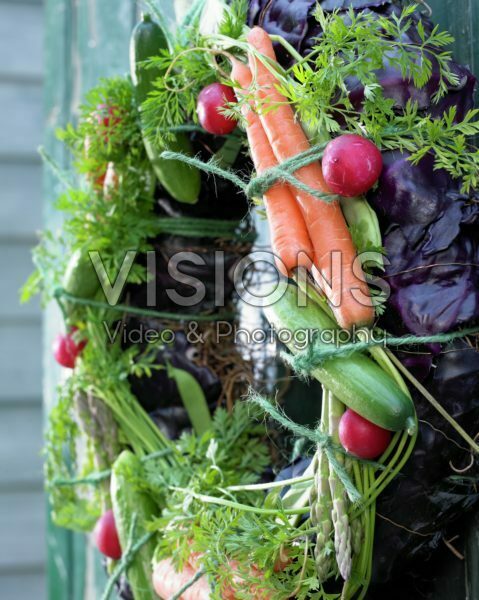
(461, 19)
(61, 566)
(86, 40)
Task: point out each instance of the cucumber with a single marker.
(128, 500)
(80, 277)
(357, 380)
(180, 180)
(80, 280)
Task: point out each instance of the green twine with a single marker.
(318, 352)
(93, 479)
(61, 293)
(196, 577)
(127, 557)
(322, 439)
(262, 183)
(96, 478)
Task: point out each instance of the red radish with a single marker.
(361, 437)
(351, 165)
(106, 536)
(211, 100)
(99, 181)
(66, 350)
(106, 115)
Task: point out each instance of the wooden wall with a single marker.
(22, 506)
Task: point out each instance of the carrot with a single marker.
(168, 582)
(289, 237)
(345, 288)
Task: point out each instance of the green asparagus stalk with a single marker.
(342, 530)
(321, 504)
(97, 422)
(355, 524)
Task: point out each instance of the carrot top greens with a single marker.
(318, 85)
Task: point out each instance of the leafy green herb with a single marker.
(234, 19)
(107, 136)
(317, 86)
(232, 452)
(74, 507)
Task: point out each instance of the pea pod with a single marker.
(357, 380)
(128, 500)
(180, 180)
(193, 399)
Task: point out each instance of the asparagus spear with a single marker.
(97, 422)
(355, 524)
(342, 530)
(321, 506)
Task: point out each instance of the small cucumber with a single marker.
(80, 280)
(80, 277)
(180, 180)
(357, 380)
(128, 500)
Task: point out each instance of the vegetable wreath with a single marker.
(351, 129)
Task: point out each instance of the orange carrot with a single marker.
(289, 237)
(345, 287)
(168, 582)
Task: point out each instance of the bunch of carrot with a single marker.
(305, 231)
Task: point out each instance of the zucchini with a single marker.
(128, 500)
(357, 380)
(180, 180)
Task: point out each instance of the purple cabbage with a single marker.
(431, 243)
